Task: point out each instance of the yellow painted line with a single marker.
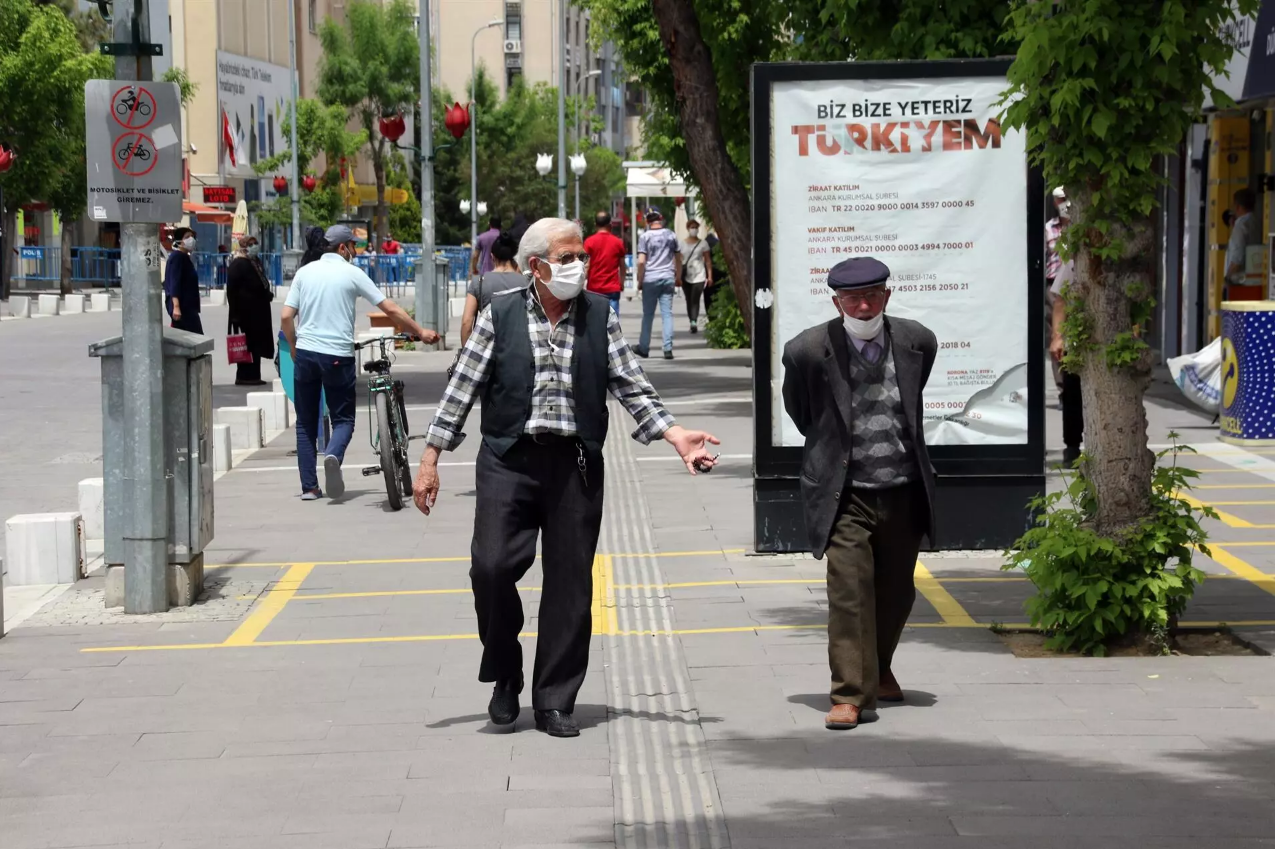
(1227, 518)
(376, 593)
(947, 606)
(1237, 503)
(1244, 543)
(399, 560)
(603, 596)
(612, 617)
(1251, 573)
(271, 604)
(1233, 486)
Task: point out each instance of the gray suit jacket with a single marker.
(817, 397)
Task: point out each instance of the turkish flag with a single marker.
(228, 137)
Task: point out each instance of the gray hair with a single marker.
(541, 235)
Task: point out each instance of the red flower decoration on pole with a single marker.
(309, 183)
(7, 158)
(281, 185)
(456, 120)
(392, 127)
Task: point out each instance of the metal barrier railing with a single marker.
(89, 265)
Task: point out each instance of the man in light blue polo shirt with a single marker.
(318, 322)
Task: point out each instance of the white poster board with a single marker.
(253, 97)
(919, 174)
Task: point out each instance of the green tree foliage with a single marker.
(90, 29)
(872, 30)
(43, 68)
(1103, 89)
(186, 87)
(371, 67)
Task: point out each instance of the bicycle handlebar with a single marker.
(381, 340)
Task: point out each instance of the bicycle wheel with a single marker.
(385, 447)
(405, 468)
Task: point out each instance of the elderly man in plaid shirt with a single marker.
(543, 360)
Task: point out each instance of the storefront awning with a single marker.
(652, 180)
(207, 214)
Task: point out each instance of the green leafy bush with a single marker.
(1093, 591)
(725, 323)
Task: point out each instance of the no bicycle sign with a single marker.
(134, 151)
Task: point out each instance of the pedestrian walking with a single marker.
(697, 272)
(480, 261)
(543, 361)
(248, 298)
(181, 283)
(1073, 410)
(717, 277)
(391, 248)
(606, 259)
(503, 277)
(853, 388)
(659, 273)
(318, 323)
(315, 247)
(1053, 262)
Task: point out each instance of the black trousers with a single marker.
(871, 585)
(537, 491)
(249, 371)
(1073, 410)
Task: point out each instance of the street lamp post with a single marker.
(580, 171)
(473, 133)
(562, 108)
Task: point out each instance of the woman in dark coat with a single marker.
(248, 295)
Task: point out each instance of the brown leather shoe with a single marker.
(888, 690)
(842, 718)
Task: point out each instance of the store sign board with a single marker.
(220, 194)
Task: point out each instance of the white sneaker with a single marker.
(335, 483)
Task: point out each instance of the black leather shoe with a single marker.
(641, 352)
(1070, 455)
(557, 723)
(503, 708)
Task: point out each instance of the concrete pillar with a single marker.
(20, 306)
(245, 426)
(274, 409)
(73, 304)
(223, 455)
(100, 302)
(50, 304)
(44, 548)
(92, 510)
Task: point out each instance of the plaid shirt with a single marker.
(552, 401)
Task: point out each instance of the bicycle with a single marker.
(390, 437)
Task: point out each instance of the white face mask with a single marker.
(567, 281)
(693, 231)
(1064, 209)
(253, 250)
(189, 243)
(862, 329)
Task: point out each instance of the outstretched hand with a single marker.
(692, 446)
(425, 489)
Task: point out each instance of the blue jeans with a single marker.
(653, 291)
(315, 375)
(614, 298)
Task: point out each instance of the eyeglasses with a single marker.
(872, 297)
(567, 258)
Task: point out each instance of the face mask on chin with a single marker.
(567, 281)
(864, 329)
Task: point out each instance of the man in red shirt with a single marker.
(606, 259)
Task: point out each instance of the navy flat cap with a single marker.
(858, 272)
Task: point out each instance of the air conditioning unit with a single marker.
(513, 45)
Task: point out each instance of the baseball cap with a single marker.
(338, 234)
(653, 212)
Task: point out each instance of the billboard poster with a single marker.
(253, 99)
(919, 173)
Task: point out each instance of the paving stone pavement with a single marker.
(324, 695)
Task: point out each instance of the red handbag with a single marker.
(237, 349)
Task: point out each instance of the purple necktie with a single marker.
(871, 351)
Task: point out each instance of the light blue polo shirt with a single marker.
(324, 294)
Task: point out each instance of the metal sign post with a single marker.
(134, 174)
(424, 264)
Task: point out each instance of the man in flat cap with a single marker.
(853, 388)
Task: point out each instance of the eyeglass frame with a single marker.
(583, 257)
(872, 296)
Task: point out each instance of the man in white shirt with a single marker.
(318, 322)
(1245, 232)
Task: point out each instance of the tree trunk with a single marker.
(67, 241)
(8, 250)
(381, 217)
(695, 88)
(1120, 465)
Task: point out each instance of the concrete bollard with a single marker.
(44, 548)
(223, 454)
(100, 302)
(20, 306)
(49, 304)
(277, 386)
(92, 508)
(73, 304)
(245, 426)
(216, 297)
(281, 294)
(274, 409)
(456, 306)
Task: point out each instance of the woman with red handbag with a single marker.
(248, 295)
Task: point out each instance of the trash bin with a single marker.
(1248, 372)
(188, 449)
